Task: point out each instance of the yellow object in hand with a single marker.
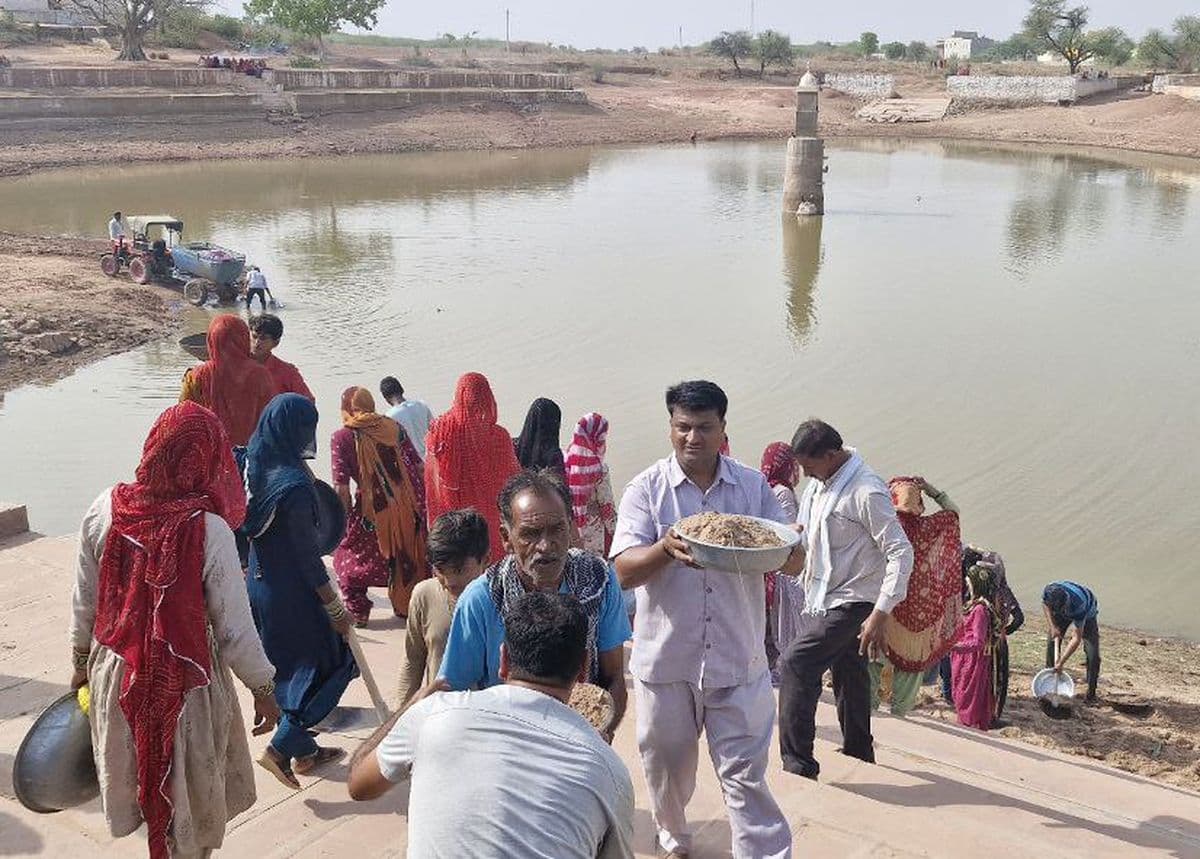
(84, 696)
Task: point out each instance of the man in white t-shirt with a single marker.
(116, 232)
(509, 772)
(413, 415)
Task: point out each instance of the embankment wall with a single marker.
(1020, 89)
(131, 106)
(167, 77)
(379, 79)
(874, 86)
(363, 101)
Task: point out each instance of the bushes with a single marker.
(226, 27)
(303, 62)
(183, 28)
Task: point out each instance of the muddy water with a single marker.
(1019, 326)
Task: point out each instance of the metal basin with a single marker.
(749, 562)
(331, 518)
(54, 768)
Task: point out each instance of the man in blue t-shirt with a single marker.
(536, 529)
(1070, 604)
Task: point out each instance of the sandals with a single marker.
(279, 768)
(322, 756)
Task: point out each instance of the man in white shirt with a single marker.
(256, 285)
(698, 659)
(857, 570)
(508, 772)
(116, 232)
(413, 415)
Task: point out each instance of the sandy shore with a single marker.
(58, 311)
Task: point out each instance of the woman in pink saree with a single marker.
(973, 660)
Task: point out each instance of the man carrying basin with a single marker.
(1068, 604)
(698, 660)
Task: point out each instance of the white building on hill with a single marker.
(962, 45)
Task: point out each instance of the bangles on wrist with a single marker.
(335, 610)
(79, 659)
(264, 691)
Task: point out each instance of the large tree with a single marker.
(1112, 45)
(868, 43)
(772, 48)
(1180, 50)
(1054, 27)
(733, 46)
(132, 19)
(317, 18)
(917, 51)
(894, 50)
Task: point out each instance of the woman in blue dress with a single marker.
(300, 618)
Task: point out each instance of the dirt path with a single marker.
(59, 312)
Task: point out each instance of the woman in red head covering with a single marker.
(230, 383)
(923, 627)
(469, 457)
(158, 585)
(385, 519)
(591, 488)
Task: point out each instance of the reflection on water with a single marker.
(1011, 323)
(801, 266)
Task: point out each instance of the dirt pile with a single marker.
(1160, 678)
(58, 311)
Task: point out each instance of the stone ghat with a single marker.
(382, 79)
(141, 108)
(166, 77)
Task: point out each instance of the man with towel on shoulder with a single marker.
(857, 570)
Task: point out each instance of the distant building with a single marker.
(962, 45)
(40, 12)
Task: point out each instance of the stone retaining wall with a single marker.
(874, 86)
(378, 79)
(1050, 89)
(167, 77)
(140, 107)
(309, 103)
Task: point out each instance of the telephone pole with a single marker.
(751, 17)
(680, 35)
(507, 46)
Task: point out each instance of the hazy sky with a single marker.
(655, 23)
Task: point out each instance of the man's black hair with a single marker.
(697, 396)
(457, 536)
(543, 482)
(117, 215)
(391, 388)
(545, 635)
(1055, 598)
(815, 438)
(267, 324)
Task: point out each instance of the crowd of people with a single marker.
(253, 66)
(513, 567)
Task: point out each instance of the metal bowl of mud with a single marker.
(54, 768)
(594, 703)
(747, 562)
(195, 345)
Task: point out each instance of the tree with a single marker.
(1111, 45)
(1178, 51)
(1053, 27)
(917, 52)
(133, 19)
(894, 50)
(772, 48)
(868, 43)
(317, 18)
(732, 46)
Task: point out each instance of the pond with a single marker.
(1017, 325)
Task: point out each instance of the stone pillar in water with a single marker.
(804, 169)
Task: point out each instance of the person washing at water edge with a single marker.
(256, 285)
(1068, 604)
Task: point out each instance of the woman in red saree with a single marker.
(385, 520)
(160, 617)
(469, 457)
(922, 628)
(230, 383)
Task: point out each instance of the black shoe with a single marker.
(809, 771)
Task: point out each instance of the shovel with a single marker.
(381, 707)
